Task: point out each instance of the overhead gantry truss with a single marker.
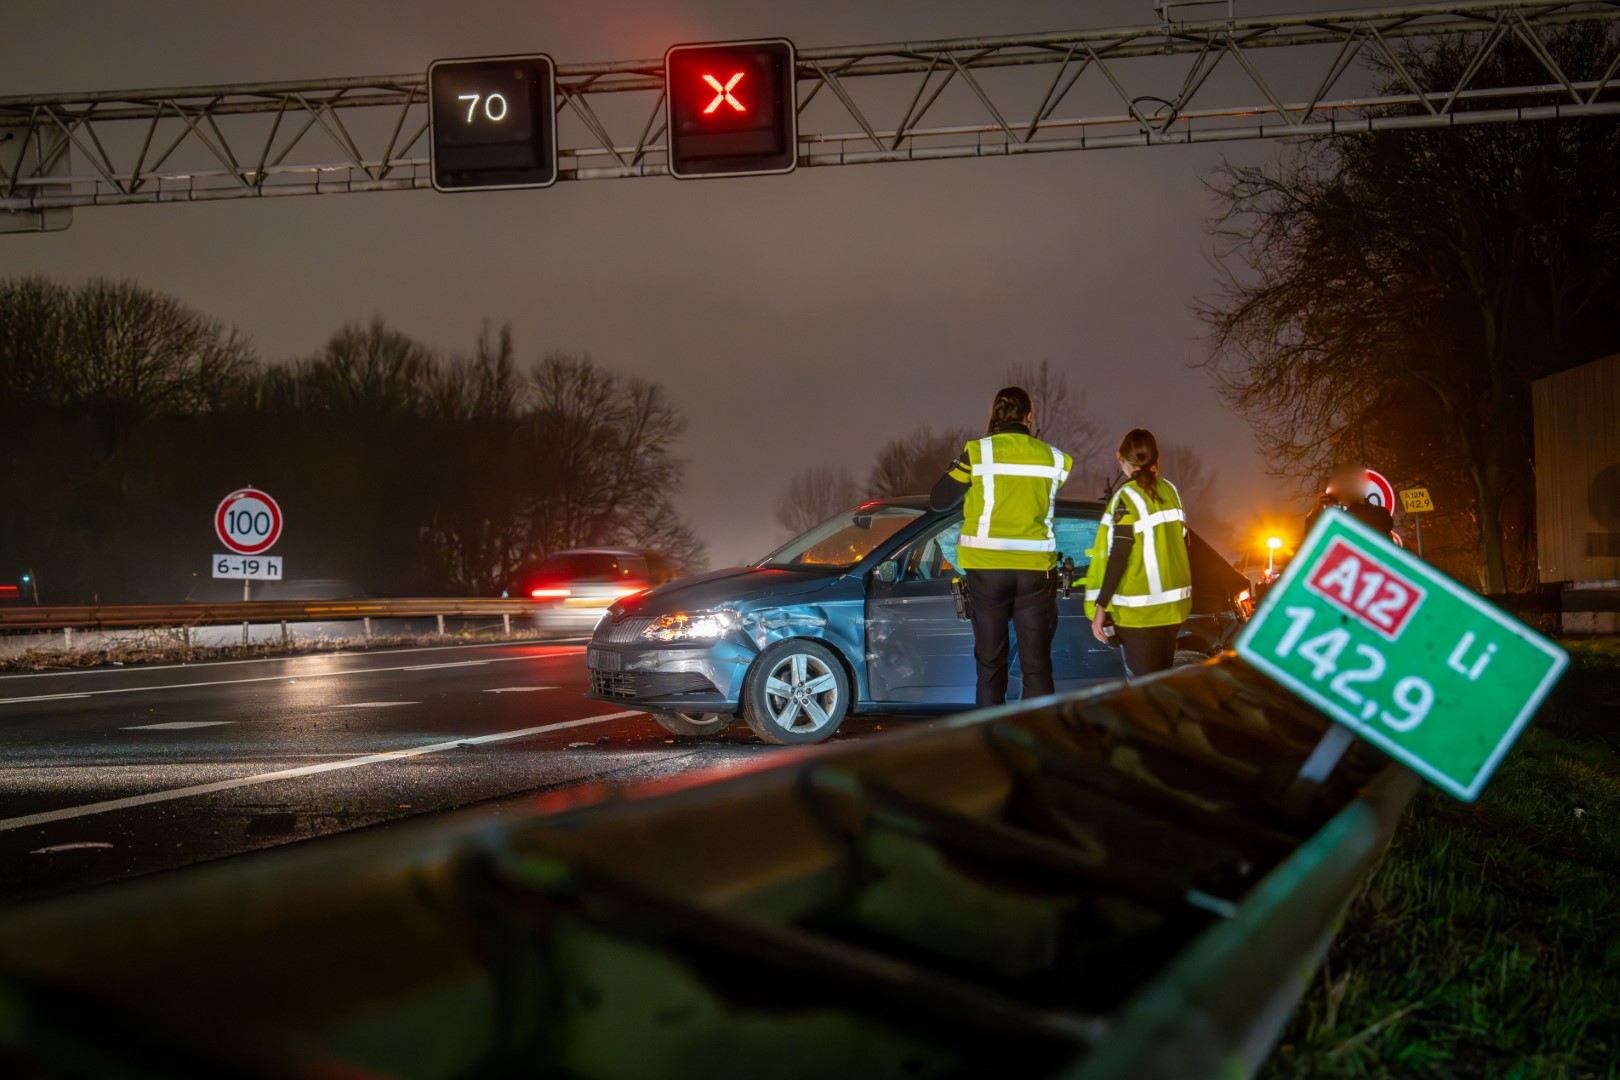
(1170, 83)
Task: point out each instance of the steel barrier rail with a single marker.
(1222, 1004)
(123, 616)
(1128, 882)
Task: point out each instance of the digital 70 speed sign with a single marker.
(493, 123)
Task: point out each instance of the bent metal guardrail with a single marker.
(128, 616)
(1134, 882)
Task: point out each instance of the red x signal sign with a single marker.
(732, 108)
(722, 92)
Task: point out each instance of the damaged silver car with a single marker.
(856, 615)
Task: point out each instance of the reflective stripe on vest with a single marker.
(1145, 527)
(987, 469)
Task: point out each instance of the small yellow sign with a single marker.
(1416, 501)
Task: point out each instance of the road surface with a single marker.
(113, 772)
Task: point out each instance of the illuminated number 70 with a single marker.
(490, 103)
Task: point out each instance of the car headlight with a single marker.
(691, 626)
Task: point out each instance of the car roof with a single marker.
(920, 502)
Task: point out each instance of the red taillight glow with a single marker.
(722, 93)
(551, 594)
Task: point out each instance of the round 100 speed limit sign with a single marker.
(248, 522)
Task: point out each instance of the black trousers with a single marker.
(1148, 648)
(1025, 599)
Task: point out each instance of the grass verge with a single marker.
(1487, 942)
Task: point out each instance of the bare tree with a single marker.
(814, 495)
(127, 415)
(371, 370)
(912, 463)
(1184, 467)
(102, 385)
(1394, 294)
(1196, 483)
(1061, 419)
(477, 532)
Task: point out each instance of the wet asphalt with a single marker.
(111, 773)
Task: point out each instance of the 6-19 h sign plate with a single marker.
(1430, 673)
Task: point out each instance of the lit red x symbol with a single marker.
(722, 93)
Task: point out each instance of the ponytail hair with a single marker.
(1140, 449)
(1010, 406)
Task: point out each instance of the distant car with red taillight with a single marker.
(572, 589)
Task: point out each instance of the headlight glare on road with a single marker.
(691, 626)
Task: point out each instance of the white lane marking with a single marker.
(178, 725)
(567, 644)
(80, 845)
(457, 663)
(48, 816)
(373, 704)
(518, 689)
(255, 679)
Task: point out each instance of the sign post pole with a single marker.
(1416, 501)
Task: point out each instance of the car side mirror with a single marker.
(888, 572)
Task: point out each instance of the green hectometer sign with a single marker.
(1432, 674)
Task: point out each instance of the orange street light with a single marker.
(1272, 544)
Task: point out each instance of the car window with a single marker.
(935, 557)
(844, 540)
(595, 566)
(1075, 535)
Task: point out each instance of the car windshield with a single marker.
(843, 541)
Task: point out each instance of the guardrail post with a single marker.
(185, 636)
(244, 633)
(441, 625)
(67, 637)
(368, 627)
(285, 637)
(506, 624)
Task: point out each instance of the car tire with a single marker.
(797, 693)
(693, 725)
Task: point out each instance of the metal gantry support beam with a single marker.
(1169, 83)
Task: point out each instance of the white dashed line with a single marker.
(436, 667)
(49, 816)
(518, 689)
(374, 704)
(177, 725)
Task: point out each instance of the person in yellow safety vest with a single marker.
(1140, 572)
(1007, 485)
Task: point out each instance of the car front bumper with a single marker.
(697, 677)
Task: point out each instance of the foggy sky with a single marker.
(794, 319)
